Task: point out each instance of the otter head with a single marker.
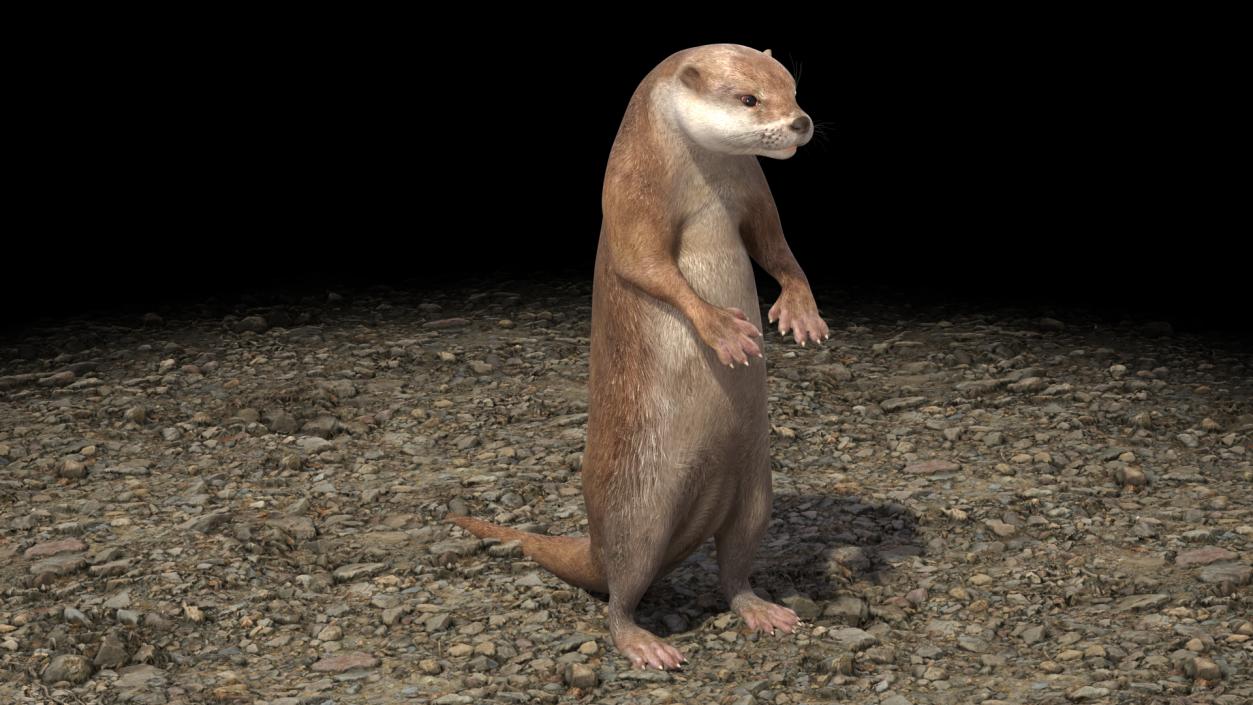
(736, 100)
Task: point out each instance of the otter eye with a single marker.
(749, 100)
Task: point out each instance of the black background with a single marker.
(997, 161)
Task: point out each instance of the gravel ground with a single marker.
(242, 503)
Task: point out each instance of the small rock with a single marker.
(578, 675)
(279, 421)
(74, 616)
(438, 622)
(353, 571)
(902, 403)
(112, 653)
(804, 607)
(136, 414)
(931, 467)
(313, 444)
(1000, 528)
(1140, 602)
(847, 610)
(67, 667)
(345, 662)
(1206, 669)
(1087, 692)
(255, 324)
(854, 639)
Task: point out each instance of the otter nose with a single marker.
(802, 124)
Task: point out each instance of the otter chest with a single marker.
(711, 251)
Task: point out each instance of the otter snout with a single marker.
(805, 127)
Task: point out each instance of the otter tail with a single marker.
(567, 557)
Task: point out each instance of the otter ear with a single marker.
(690, 76)
(767, 53)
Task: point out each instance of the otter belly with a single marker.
(707, 418)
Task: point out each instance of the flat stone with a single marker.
(847, 610)
(297, 527)
(313, 444)
(52, 548)
(60, 565)
(111, 568)
(853, 638)
(354, 571)
(67, 667)
(1087, 692)
(206, 522)
(1141, 602)
(1204, 556)
(902, 403)
(444, 323)
(931, 467)
(345, 662)
(1234, 573)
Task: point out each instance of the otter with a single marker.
(677, 436)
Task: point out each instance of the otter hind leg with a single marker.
(635, 553)
(736, 542)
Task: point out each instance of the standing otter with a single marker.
(677, 435)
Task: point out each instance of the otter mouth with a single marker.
(781, 152)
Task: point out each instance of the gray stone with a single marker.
(206, 522)
(438, 622)
(345, 662)
(353, 571)
(52, 548)
(902, 403)
(112, 653)
(1141, 602)
(932, 467)
(1234, 573)
(1087, 692)
(854, 639)
(279, 421)
(60, 565)
(324, 426)
(297, 527)
(67, 667)
(1204, 556)
(804, 607)
(848, 610)
(313, 444)
(255, 324)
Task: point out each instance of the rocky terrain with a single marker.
(241, 503)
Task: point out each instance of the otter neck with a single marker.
(689, 152)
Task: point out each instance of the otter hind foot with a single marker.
(646, 650)
(760, 615)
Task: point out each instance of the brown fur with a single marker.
(677, 440)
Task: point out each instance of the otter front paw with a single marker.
(729, 332)
(797, 312)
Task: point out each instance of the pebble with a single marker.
(578, 675)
